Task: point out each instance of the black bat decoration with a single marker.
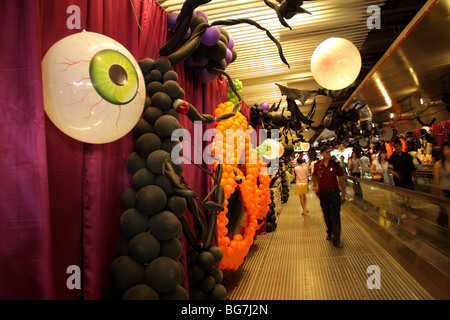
(296, 114)
(304, 95)
(286, 10)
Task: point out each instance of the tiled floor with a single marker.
(296, 262)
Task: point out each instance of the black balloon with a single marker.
(208, 283)
(142, 127)
(196, 273)
(163, 65)
(163, 274)
(172, 248)
(179, 293)
(141, 292)
(126, 272)
(147, 143)
(218, 293)
(171, 88)
(176, 205)
(143, 177)
(206, 260)
(152, 114)
(165, 125)
(165, 226)
(154, 87)
(155, 161)
(144, 247)
(147, 65)
(161, 100)
(150, 200)
(217, 253)
(132, 223)
(170, 75)
(156, 75)
(217, 52)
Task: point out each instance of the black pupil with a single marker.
(118, 75)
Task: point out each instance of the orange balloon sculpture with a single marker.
(389, 146)
(255, 196)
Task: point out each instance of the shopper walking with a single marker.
(343, 165)
(365, 165)
(380, 168)
(354, 166)
(326, 175)
(300, 173)
(402, 168)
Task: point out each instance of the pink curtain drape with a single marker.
(60, 198)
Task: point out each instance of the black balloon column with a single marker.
(148, 265)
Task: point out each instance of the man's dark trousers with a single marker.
(330, 201)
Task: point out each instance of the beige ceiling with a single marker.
(258, 64)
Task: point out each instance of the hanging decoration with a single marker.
(209, 48)
(336, 63)
(247, 177)
(287, 9)
(94, 90)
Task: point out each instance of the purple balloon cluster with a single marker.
(216, 50)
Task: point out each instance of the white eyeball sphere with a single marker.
(94, 90)
(336, 63)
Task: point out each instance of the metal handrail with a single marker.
(439, 200)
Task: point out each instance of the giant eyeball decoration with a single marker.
(271, 149)
(336, 63)
(386, 134)
(94, 90)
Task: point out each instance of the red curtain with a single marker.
(60, 198)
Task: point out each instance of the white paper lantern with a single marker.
(304, 146)
(94, 90)
(336, 63)
(386, 134)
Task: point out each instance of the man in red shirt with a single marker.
(325, 178)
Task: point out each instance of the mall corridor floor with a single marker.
(296, 262)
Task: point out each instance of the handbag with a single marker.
(377, 176)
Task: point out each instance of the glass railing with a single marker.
(415, 217)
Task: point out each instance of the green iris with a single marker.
(113, 77)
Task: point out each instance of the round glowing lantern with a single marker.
(305, 146)
(94, 90)
(386, 134)
(335, 63)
